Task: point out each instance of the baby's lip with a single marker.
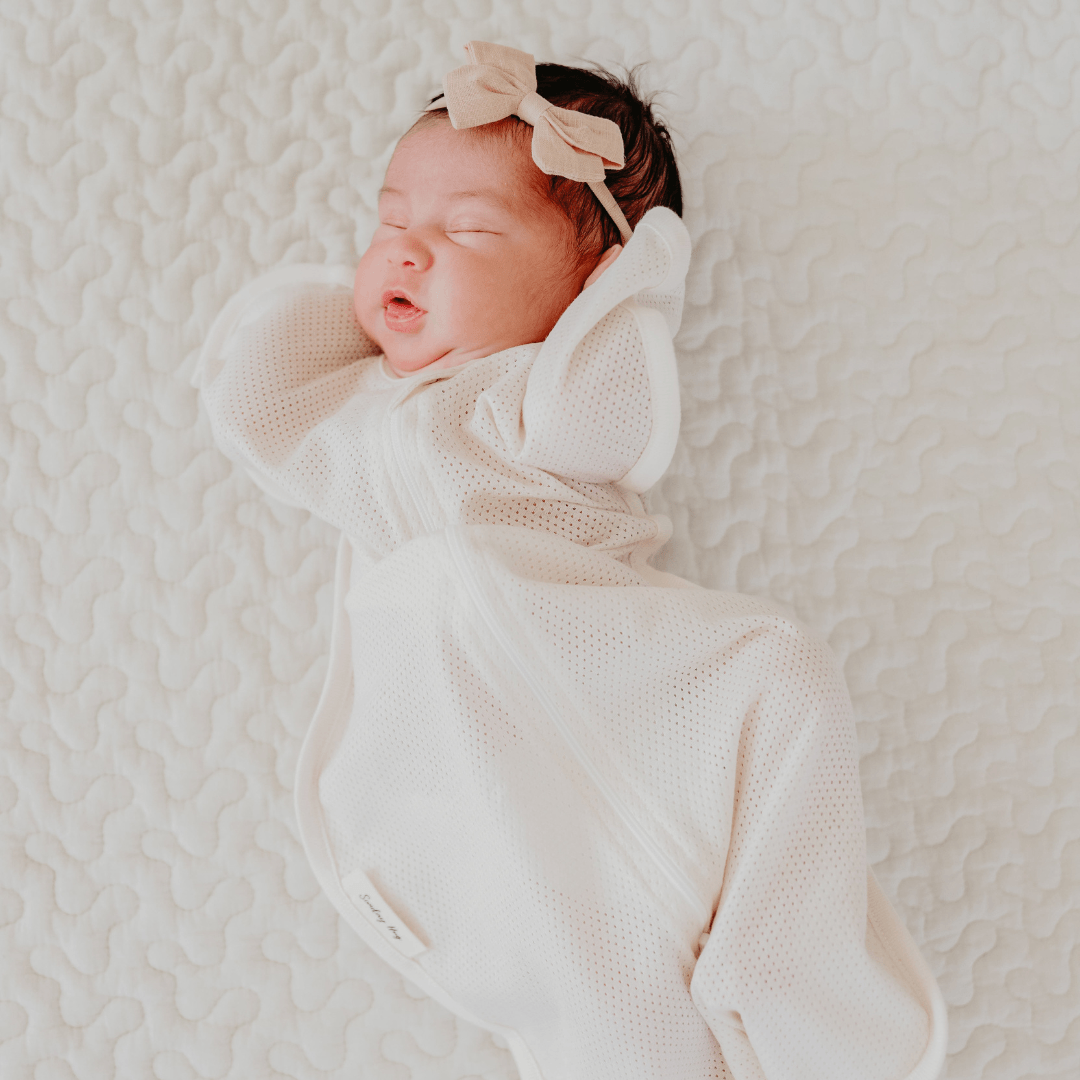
(390, 295)
(400, 313)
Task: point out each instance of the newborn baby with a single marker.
(591, 807)
(472, 256)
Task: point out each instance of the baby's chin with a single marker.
(409, 357)
(403, 367)
(403, 363)
(407, 354)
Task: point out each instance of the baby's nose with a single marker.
(410, 251)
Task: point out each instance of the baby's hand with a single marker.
(606, 260)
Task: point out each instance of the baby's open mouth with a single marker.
(400, 313)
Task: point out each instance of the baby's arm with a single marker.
(798, 978)
(282, 356)
(601, 402)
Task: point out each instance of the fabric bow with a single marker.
(499, 82)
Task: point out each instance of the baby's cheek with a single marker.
(372, 325)
(367, 310)
(366, 285)
(364, 318)
(553, 294)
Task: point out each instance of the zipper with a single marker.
(682, 884)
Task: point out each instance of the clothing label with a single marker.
(366, 899)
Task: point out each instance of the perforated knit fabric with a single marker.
(556, 767)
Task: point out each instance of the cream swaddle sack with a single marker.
(601, 811)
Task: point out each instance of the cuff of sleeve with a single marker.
(905, 954)
(244, 305)
(670, 229)
(665, 410)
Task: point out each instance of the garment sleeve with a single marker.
(282, 356)
(807, 974)
(601, 399)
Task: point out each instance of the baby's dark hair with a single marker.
(650, 176)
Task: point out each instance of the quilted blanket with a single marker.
(880, 389)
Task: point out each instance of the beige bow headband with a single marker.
(499, 82)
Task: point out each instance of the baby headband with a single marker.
(499, 82)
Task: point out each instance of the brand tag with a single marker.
(367, 900)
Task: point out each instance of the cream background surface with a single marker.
(881, 431)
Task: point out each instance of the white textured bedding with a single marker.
(881, 430)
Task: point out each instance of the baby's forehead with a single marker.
(493, 162)
(496, 150)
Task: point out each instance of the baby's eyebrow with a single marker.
(484, 194)
(487, 194)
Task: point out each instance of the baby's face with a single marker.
(468, 259)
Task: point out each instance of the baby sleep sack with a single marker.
(608, 814)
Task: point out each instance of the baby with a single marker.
(472, 256)
(591, 807)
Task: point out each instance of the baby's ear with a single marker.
(604, 262)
